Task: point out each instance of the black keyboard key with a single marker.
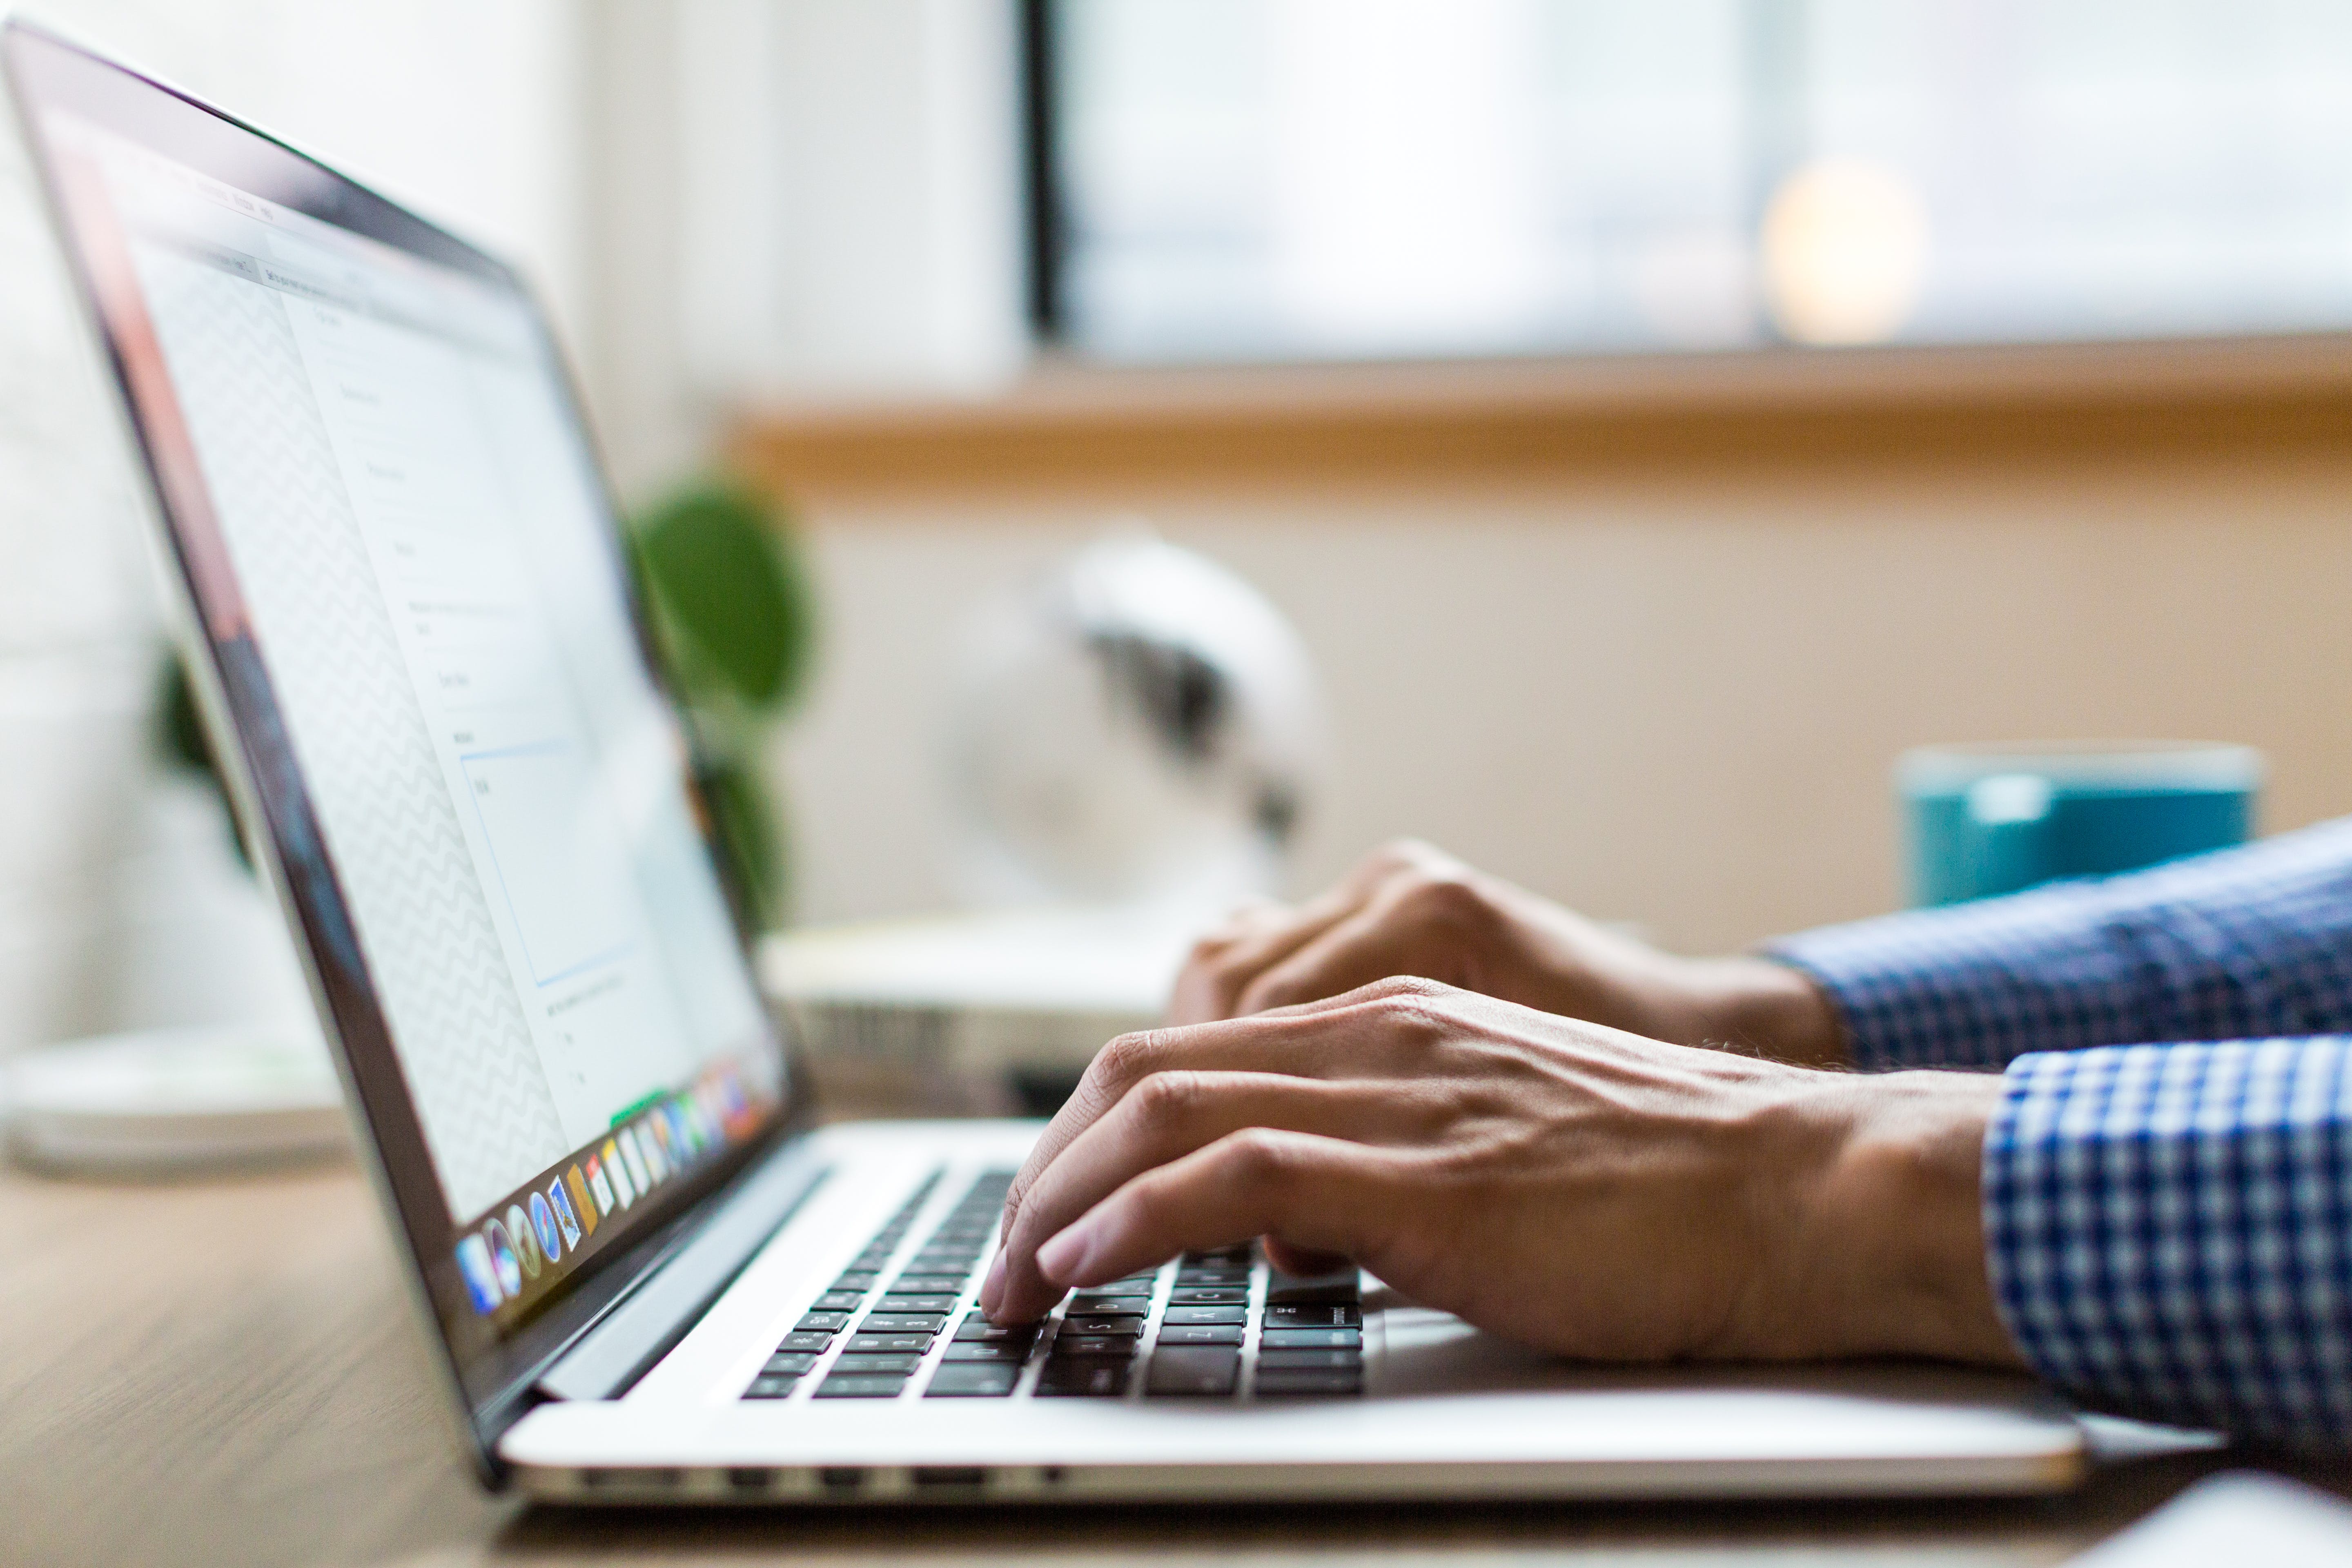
(862, 1385)
(1310, 1339)
(910, 1302)
(1110, 1307)
(801, 1341)
(884, 1344)
(767, 1388)
(901, 1361)
(1119, 1290)
(1205, 1315)
(1280, 1383)
(859, 1280)
(1332, 1317)
(788, 1363)
(904, 1323)
(1235, 1254)
(1099, 1325)
(972, 1379)
(1082, 1380)
(822, 1323)
(1232, 1277)
(1071, 1346)
(1199, 1371)
(930, 1284)
(976, 1326)
(1208, 1295)
(1302, 1289)
(1308, 1361)
(839, 1300)
(1200, 1334)
(994, 1355)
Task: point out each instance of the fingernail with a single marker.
(994, 1286)
(1060, 1258)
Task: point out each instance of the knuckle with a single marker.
(1127, 1056)
(1258, 1156)
(1410, 1014)
(1399, 990)
(1163, 1096)
(1450, 899)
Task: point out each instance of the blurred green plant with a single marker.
(735, 625)
(736, 621)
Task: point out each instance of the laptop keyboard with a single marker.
(1213, 1325)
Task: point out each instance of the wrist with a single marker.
(1892, 1233)
(1762, 1008)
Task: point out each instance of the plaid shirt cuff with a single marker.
(2168, 1230)
(2249, 943)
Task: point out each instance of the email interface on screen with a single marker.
(417, 532)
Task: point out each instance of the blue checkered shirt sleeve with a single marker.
(2167, 1185)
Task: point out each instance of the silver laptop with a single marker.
(646, 1273)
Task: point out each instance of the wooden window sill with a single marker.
(1074, 426)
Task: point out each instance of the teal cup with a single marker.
(1982, 820)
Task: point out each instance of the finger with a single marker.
(1369, 946)
(1342, 1036)
(1220, 965)
(1336, 1036)
(1318, 1195)
(1169, 1115)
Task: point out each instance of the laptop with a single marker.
(646, 1272)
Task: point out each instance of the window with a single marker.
(1288, 179)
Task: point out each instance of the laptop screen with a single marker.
(405, 566)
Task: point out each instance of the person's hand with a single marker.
(1410, 909)
(1569, 1186)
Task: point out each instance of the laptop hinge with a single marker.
(656, 1314)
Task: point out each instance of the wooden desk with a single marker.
(225, 1372)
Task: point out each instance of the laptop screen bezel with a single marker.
(491, 1373)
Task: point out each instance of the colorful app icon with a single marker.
(526, 1244)
(640, 1176)
(616, 1170)
(542, 1220)
(656, 1136)
(600, 1184)
(566, 1220)
(651, 1144)
(580, 1198)
(685, 1137)
(481, 1277)
(503, 1261)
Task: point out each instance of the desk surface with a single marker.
(225, 1372)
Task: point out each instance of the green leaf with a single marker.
(731, 596)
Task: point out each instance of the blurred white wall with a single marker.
(468, 109)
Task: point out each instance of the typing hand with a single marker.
(1580, 1190)
(1410, 909)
